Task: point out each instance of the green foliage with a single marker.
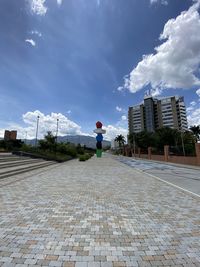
(10, 145)
(164, 136)
(49, 142)
(196, 131)
(80, 149)
(120, 139)
(85, 157)
(145, 139)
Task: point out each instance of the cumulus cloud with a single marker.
(113, 131)
(123, 118)
(38, 7)
(118, 109)
(162, 2)
(193, 111)
(198, 92)
(193, 103)
(47, 122)
(194, 117)
(175, 63)
(31, 41)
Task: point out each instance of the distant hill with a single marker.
(88, 141)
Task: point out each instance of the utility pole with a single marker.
(38, 117)
(25, 137)
(56, 137)
(183, 146)
(57, 130)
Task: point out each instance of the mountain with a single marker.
(88, 141)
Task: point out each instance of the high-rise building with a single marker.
(155, 113)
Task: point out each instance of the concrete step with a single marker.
(14, 171)
(18, 167)
(7, 164)
(12, 158)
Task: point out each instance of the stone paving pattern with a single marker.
(99, 213)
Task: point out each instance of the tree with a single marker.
(48, 143)
(196, 131)
(120, 139)
(166, 136)
(145, 139)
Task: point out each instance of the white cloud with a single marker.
(123, 118)
(46, 123)
(69, 111)
(176, 61)
(31, 41)
(193, 103)
(38, 7)
(120, 88)
(118, 109)
(113, 131)
(162, 2)
(198, 92)
(193, 111)
(194, 117)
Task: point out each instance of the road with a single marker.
(185, 177)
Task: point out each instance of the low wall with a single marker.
(158, 157)
(183, 160)
(188, 160)
(176, 159)
(144, 156)
(172, 159)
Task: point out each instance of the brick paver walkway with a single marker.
(98, 213)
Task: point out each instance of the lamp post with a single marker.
(183, 146)
(57, 130)
(25, 137)
(56, 137)
(38, 117)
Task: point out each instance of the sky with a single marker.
(81, 61)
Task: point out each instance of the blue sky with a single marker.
(88, 60)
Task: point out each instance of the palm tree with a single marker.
(120, 139)
(196, 131)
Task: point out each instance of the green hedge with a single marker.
(85, 157)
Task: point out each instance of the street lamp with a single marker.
(57, 130)
(183, 146)
(25, 137)
(38, 117)
(56, 137)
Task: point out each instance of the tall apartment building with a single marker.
(155, 113)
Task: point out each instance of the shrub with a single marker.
(85, 157)
(82, 158)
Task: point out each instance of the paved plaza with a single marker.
(98, 213)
